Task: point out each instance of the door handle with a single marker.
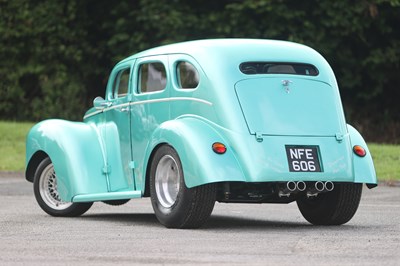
(124, 109)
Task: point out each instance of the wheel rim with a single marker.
(167, 181)
(48, 189)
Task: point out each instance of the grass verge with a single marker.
(386, 160)
(12, 152)
(12, 145)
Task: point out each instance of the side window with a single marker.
(152, 77)
(188, 76)
(121, 82)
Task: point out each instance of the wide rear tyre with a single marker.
(175, 205)
(332, 208)
(46, 193)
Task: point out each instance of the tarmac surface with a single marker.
(236, 234)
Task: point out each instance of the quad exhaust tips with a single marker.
(300, 186)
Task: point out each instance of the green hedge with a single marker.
(55, 56)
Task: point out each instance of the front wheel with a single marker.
(175, 205)
(332, 208)
(46, 193)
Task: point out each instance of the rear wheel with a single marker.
(46, 193)
(332, 208)
(175, 205)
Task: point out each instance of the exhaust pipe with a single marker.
(292, 187)
(319, 186)
(301, 186)
(289, 188)
(329, 186)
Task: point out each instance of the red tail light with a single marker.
(219, 148)
(360, 151)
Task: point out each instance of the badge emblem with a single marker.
(285, 84)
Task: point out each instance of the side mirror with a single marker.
(99, 103)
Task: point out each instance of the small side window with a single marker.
(152, 77)
(121, 83)
(188, 76)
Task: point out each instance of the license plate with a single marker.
(303, 158)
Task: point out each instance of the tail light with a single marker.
(219, 148)
(360, 151)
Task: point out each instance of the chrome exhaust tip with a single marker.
(329, 186)
(291, 186)
(319, 186)
(287, 189)
(301, 186)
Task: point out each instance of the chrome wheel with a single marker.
(167, 181)
(48, 189)
(175, 205)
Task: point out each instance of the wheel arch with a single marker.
(33, 164)
(192, 139)
(363, 167)
(147, 175)
(75, 151)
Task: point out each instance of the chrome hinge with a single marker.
(132, 164)
(259, 137)
(339, 137)
(106, 169)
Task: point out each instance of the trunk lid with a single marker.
(290, 106)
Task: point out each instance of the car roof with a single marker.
(241, 49)
(223, 56)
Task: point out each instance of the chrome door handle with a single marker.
(124, 109)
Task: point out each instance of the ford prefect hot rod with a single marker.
(189, 124)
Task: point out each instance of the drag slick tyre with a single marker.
(332, 208)
(175, 205)
(46, 193)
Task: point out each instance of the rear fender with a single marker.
(75, 151)
(192, 138)
(364, 170)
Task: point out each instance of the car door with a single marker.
(150, 107)
(118, 129)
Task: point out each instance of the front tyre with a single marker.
(175, 205)
(46, 193)
(332, 208)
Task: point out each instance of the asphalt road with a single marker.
(236, 234)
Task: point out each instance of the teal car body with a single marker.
(278, 125)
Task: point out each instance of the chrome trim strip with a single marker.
(150, 101)
(92, 114)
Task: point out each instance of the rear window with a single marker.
(252, 68)
(188, 77)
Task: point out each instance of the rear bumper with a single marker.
(267, 161)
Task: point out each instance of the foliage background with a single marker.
(55, 56)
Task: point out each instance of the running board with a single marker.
(107, 196)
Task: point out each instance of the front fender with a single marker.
(363, 167)
(192, 138)
(75, 150)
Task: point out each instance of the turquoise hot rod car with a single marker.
(189, 124)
